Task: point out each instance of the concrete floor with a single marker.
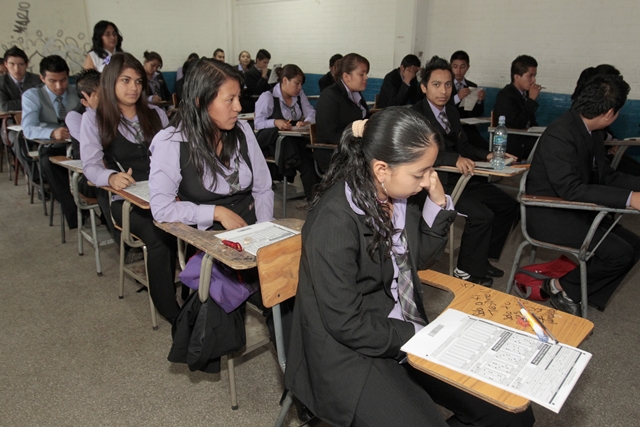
(73, 354)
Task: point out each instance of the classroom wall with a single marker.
(565, 37)
(172, 28)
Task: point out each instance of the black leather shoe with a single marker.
(493, 271)
(566, 304)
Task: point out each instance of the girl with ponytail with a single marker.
(378, 216)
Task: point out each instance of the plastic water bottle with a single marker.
(499, 145)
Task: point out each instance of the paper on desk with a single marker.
(254, 237)
(505, 357)
(273, 77)
(488, 165)
(72, 163)
(470, 100)
(140, 189)
(537, 129)
(474, 120)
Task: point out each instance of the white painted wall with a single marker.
(564, 36)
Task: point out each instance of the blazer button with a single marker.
(450, 219)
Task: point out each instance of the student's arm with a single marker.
(164, 181)
(307, 109)
(331, 251)
(393, 92)
(91, 151)
(261, 190)
(516, 116)
(31, 125)
(264, 109)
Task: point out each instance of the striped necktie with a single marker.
(139, 136)
(445, 121)
(62, 111)
(405, 285)
(459, 86)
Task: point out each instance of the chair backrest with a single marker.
(313, 138)
(174, 99)
(278, 267)
(494, 119)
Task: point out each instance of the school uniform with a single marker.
(395, 91)
(100, 62)
(570, 163)
(99, 163)
(326, 81)
(472, 132)
(491, 213)
(344, 353)
(254, 86)
(11, 91)
(271, 107)
(520, 113)
(158, 86)
(336, 109)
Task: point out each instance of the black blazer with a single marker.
(563, 166)
(478, 109)
(340, 320)
(395, 92)
(334, 112)
(10, 97)
(517, 112)
(326, 81)
(164, 89)
(455, 142)
(254, 82)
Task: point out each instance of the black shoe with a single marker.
(566, 304)
(546, 288)
(493, 271)
(487, 282)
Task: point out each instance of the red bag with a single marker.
(529, 278)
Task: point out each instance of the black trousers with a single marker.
(475, 137)
(614, 258)
(520, 145)
(302, 161)
(58, 179)
(161, 262)
(491, 214)
(399, 395)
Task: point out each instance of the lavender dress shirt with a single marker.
(264, 109)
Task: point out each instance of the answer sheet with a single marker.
(139, 189)
(253, 237)
(505, 357)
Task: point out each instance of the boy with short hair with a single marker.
(491, 213)
(517, 103)
(328, 79)
(461, 89)
(17, 80)
(400, 86)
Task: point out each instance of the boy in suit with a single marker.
(16, 81)
(460, 90)
(400, 86)
(570, 163)
(517, 103)
(328, 79)
(44, 110)
(491, 213)
(256, 81)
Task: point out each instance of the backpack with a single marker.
(528, 279)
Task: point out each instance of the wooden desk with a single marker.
(501, 308)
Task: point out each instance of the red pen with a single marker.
(233, 245)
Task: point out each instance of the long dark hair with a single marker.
(98, 30)
(108, 114)
(201, 86)
(396, 136)
(348, 63)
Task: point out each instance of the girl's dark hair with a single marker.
(396, 135)
(98, 31)
(201, 86)
(289, 71)
(150, 56)
(108, 114)
(349, 63)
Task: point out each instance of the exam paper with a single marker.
(253, 237)
(470, 100)
(273, 77)
(505, 357)
(140, 189)
(73, 163)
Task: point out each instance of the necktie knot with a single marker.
(139, 135)
(459, 86)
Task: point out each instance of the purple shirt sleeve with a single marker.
(91, 151)
(430, 210)
(264, 109)
(307, 109)
(73, 120)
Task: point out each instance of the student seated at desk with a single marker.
(114, 150)
(460, 90)
(286, 107)
(400, 86)
(256, 81)
(359, 297)
(180, 72)
(517, 103)
(107, 41)
(490, 212)
(218, 55)
(17, 80)
(328, 79)
(43, 112)
(158, 90)
(570, 163)
(244, 62)
(341, 104)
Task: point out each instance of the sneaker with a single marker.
(560, 301)
(493, 271)
(487, 282)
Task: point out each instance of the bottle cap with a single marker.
(502, 119)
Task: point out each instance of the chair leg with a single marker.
(284, 410)
(121, 280)
(96, 243)
(62, 230)
(154, 316)
(80, 238)
(516, 264)
(583, 288)
(451, 248)
(232, 382)
(44, 199)
(17, 166)
(532, 257)
(284, 196)
(51, 209)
